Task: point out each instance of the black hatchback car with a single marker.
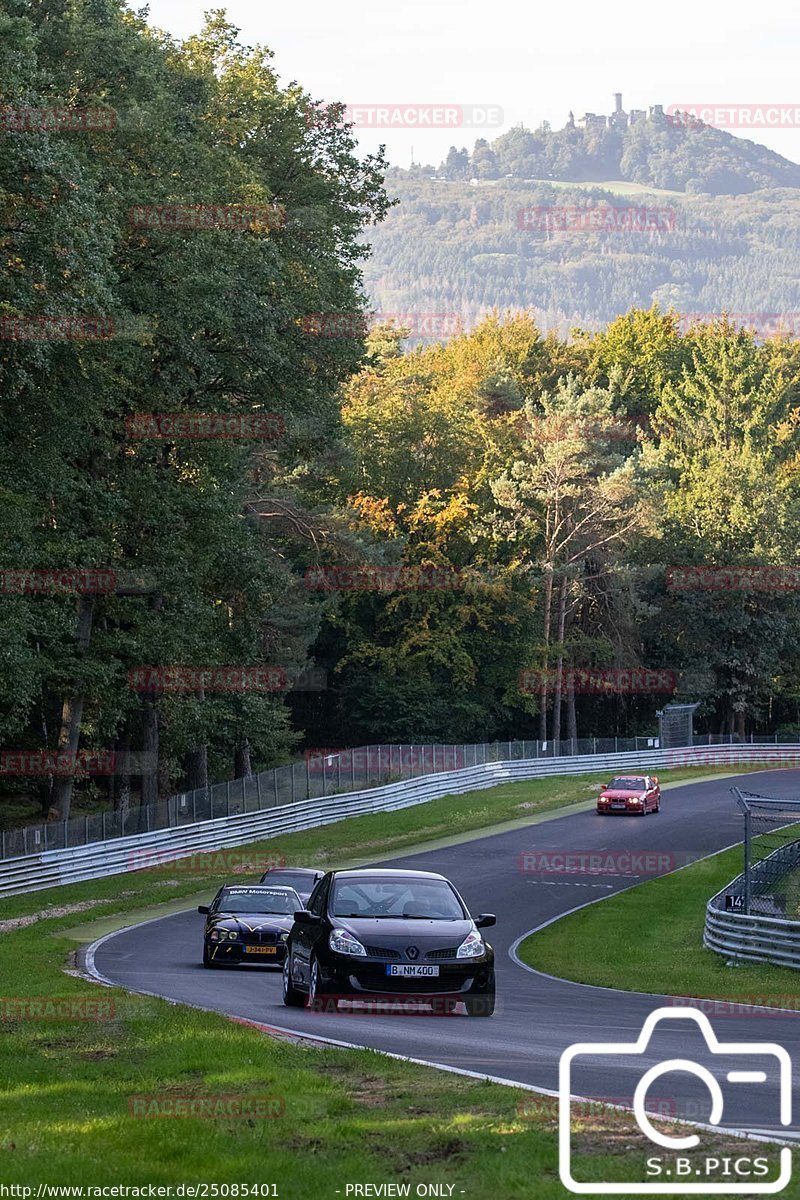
(385, 933)
(248, 923)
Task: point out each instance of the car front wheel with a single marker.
(481, 1004)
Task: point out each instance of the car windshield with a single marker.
(423, 899)
(292, 879)
(627, 783)
(284, 901)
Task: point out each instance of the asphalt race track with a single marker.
(537, 1017)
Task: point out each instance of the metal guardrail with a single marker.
(752, 938)
(743, 935)
(320, 773)
(133, 853)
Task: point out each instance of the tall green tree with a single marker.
(207, 319)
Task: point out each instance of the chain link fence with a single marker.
(317, 775)
(769, 885)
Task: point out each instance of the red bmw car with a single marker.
(638, 794)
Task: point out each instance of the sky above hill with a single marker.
(449, 71)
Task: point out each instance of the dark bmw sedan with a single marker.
(248, 923)
(391, 934)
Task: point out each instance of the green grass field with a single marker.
(71, 1090)
(618, 187)
(650, 939)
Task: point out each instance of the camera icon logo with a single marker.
(678, 1175)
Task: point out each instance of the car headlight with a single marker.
(232, 935)
(344, 943)
(472, 946)
(285, 936)
(213, 936)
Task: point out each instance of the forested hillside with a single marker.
(466, 249)
(659, 150)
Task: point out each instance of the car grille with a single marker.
(259, 937)
(441, 955)
(383, 952)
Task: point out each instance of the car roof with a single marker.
(386, 873)
(294, 870)
(266, 888)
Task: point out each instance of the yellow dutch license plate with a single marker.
(260, 949)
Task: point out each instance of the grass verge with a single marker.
(650, 939)
(88, 1093)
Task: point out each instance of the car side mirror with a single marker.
(304, 917)
(485, 920)
(204, 909)
(655, 779)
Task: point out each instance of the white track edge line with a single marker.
(514, 956)
(91, 972)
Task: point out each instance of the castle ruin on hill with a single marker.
(618, 119)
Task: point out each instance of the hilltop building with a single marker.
(618, 119)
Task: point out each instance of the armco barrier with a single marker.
(752, 938)
(755, 937)
(99, 859)
(322, 772)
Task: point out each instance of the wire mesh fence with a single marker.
(320, 773)
(769, 885)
